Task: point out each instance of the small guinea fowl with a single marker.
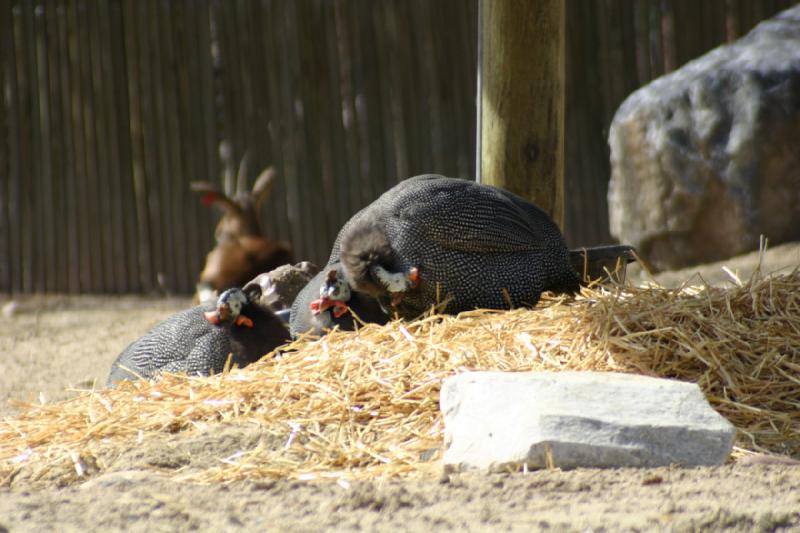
(280, 287)
(327, 302)
(199, 340)
(435, 240)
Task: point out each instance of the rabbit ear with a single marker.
(211, 195)
(263, 185)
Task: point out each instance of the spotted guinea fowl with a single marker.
(327, 301)
(199, 340)
(280, 287)
(435, 240)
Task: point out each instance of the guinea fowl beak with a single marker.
(219, 315)
(324, 303)
(320, 305)
(222, 313)
(213, 317)
(242, 320)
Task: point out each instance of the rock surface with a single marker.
(498, 420)
(705, 160)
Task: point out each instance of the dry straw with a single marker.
(365, 404)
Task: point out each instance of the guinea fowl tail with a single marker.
(364, 247)
(569, 285)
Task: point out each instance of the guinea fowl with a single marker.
(200, 340)
(280, 287)
(327, 301)
(432, 240)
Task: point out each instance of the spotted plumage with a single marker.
(304, 317)
(199, 340)
(473, 246)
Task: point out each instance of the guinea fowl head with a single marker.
(333, 294)
(229, 309)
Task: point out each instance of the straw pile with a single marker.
(365, 404)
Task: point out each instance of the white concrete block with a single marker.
(497, 420)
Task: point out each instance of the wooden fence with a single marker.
(109, 108)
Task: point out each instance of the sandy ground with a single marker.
(52, 344)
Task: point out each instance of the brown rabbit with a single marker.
(242, 251)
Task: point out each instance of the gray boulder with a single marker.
(497, 420)
(706, 159)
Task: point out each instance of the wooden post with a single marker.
(521, 113)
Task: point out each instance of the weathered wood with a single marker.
(585, 147)
(522, 100)
(170, 172)
(189, 138)
(29, 127)
(110, 108)
(6, 110)
(125, 201)
(146, 250)
(57, 234)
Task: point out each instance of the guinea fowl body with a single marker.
(188, 342)
(473, 246)
(304, 320)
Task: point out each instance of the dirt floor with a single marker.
(52, 344)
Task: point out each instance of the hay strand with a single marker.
(365, 404)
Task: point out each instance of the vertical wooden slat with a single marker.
(468, 42)
(354, 157)
(191, 126)
(745, 16)
(69, 222)
(395, 151)
(375, 159)
(319, 106)
(281, 126)
(300, 202)
(34, 240)
(277, 204)
(117, 99)
(41, 199)
(586, 123)
(230, 84)
(642, 28)
(58, 268)
(425, 90)
(170, 172)
(92, 241)
(85, 236)
(690, 27)
(627, 44)
(162, 201)
(100, 142)
(252, 17)
(157, 198)
(27, 122)
(208, 95)
(304, 78)
(104, 52)
(227, 81)
(136, 86)
(656, 41)
(265, 122)
(6, 133)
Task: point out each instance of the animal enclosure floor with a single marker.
(730, 498)
(53, 343)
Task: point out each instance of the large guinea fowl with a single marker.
(432, 240)
(201, 339)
